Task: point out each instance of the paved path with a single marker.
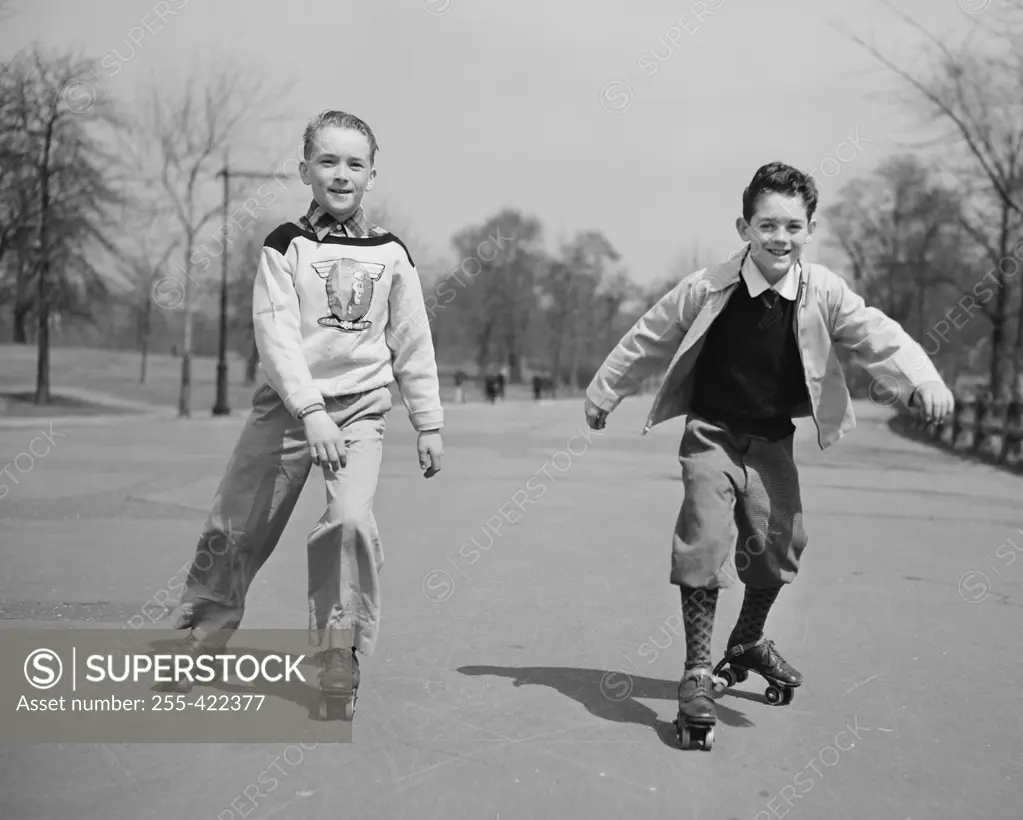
(490, 694)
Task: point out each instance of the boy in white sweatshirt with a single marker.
(339, 314)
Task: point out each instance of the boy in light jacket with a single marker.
(749, 345)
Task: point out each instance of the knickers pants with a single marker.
(743, 493)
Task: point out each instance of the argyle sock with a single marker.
(756, 604)
(698, 608)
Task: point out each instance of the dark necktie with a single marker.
(774, 309)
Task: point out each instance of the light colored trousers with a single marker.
(264, 479)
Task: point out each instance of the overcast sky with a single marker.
(480, 104)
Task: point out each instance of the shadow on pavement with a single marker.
(608, 695)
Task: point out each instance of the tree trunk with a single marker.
(1017, 369)
(43, 349)
(146, 330)
(511, 340)
(573, 373)
(514, 368)
(1001, 364)
(22, 301)
(483, 347)
(1018, 353)
(20, 321)
(185, 397)
(43, 341)
(1001, 357)
(582, 328)
(559, 345)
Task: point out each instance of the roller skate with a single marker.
(339, 682)
(760, 657)
(696, 713)
(182, 683)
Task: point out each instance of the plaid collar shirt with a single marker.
(318, 220)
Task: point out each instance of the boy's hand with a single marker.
(326, 442)
(934, 400)
(595, 417)
(431, 452)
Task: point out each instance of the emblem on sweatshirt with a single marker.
(349, 285)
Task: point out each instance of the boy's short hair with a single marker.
(777, 177)
(337, 119)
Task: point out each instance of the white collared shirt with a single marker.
(787, 286)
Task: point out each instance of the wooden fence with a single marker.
(991, 431)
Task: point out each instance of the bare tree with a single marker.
(558, 303)
(245, 262)
(190, 130)
(616, 298)
(978, 95)
(900, 232)
(58, 133)
(585, 262)
(688, 260)
(894, 225)
(18, 199)
(144, 253)
(495, 298)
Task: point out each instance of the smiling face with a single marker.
(339, 169)
(777, 232)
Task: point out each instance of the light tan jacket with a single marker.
(827, 313)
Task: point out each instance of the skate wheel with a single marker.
(330, 708)
(694, 737)
(773, 695)
(787, 695)
(729, 677)
(740, 674)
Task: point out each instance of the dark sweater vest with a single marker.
(749, 375)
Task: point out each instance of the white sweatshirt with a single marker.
(344, 316)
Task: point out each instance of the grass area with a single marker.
(22, 405)
(116, 373)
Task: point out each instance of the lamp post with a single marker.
(222, 407)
